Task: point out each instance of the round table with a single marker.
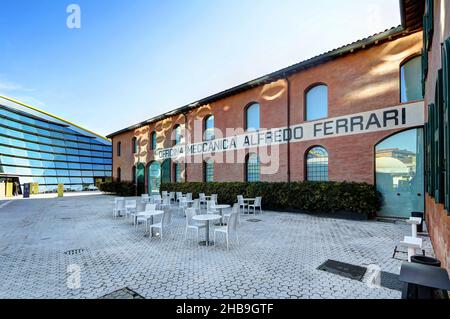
(206, 218)
(221, 208)
(150, 215)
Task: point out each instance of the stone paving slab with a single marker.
(276, 257)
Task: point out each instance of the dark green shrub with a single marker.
(118, 188)
(326, 197)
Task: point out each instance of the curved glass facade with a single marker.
(35, 149)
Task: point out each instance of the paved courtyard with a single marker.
(43, 242)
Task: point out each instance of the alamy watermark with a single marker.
(74, 18)
(73, 276)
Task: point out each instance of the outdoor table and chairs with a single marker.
(220, 208)
(148, 216)
(207, 218)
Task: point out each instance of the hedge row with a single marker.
(304, 196)
(118, 188)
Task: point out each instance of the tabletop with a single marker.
(221, 206)
(151, 213)
(414, 220)
(206, 217)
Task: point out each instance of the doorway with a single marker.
(399, 170)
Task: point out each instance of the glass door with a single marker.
(400, 173)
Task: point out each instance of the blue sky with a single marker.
(135, 59)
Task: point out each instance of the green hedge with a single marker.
(118, 188)
(304, 196)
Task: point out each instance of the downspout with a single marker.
(289, 126)
(185, 143)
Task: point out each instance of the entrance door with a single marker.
(140, 179)
(400, 173)
(154, 178)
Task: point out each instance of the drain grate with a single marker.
(254, 220)
(391, 281)
(75, 251)
(65, 218)
(124, 293)
(343, 269)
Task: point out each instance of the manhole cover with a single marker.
(75, 251)
(254, 220)
(125, 293)
(343, 269)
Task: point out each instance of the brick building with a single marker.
(350, 114)
(434, 18)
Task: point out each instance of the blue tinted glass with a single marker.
(61, 165)
(86, 166)
(76, 180)
(317, 103)
(88, 180)
(63, 180)
(73, 158)
(51, 180)
(74, 173)
(253, 117)
(411, 80)
(50, 172)
(74, 165)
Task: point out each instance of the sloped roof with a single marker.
(375, 39)
(412, 12)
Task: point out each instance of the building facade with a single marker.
(352, 114)
(434, 18)
(36, 147)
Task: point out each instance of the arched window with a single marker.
(252, 168)
(411, 80)
(134, 174)
(317, 164)
(208, 134)
(177, 170)
(252, 118)
(317, 102)
(119, 174)
(153, 141)
(119, 148)
(134, 146)
(177, 131)
(208, 171)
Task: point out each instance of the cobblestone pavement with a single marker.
(43, 242)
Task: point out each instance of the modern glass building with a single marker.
(37, 147)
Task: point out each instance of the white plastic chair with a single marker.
(211, 207)
(196, 205)
(172, 196)
(189, 196)
(192, 224)
(256, 204)
(164, 193)
(130, 207)
(231, 227)
(235, 210)
(145, 198)
(165, 221)
(202, 198)
(148, 208)
(242, 204)
(119, 206)
(214, 198)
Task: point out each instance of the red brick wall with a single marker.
(438, 220)
(363, 81)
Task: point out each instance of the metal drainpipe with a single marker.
(289, 125)
(185, 142)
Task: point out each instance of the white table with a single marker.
(221, 208)
(206, 218)
(150, 215)
(414, 221)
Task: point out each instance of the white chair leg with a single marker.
(237, 238)
(228, 248)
